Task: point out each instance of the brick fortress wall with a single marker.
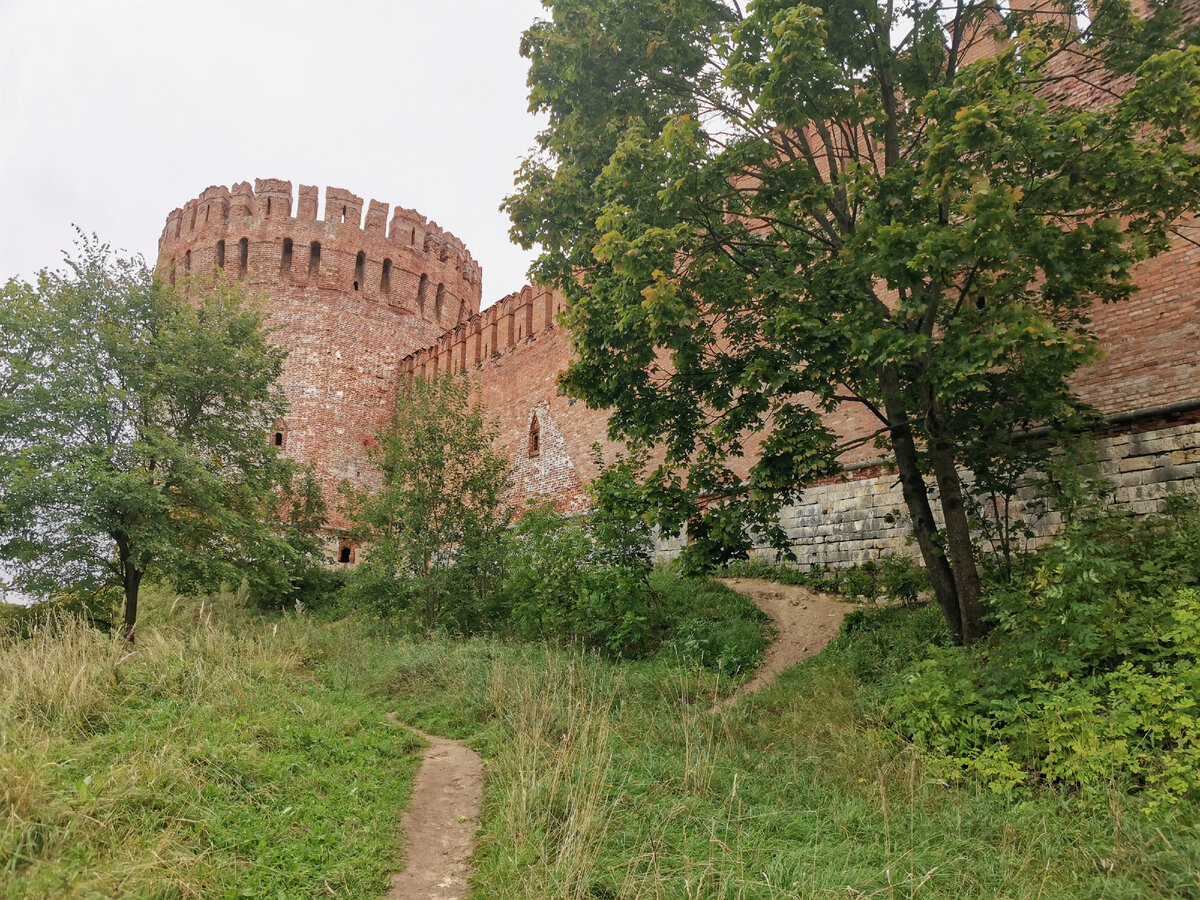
(1147, 385)
(350, 297)
(354, 333)
(513, 352)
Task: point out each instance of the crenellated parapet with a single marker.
(271, 236)
(501, 328)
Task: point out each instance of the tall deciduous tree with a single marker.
(133, 430)
(760, 216)
(441, 504)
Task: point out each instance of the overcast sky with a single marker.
(114, 112)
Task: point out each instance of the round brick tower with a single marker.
(350, 299)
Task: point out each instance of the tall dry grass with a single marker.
(80, 781)
(556, 792)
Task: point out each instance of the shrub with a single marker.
(902, 579)
(1092, 673)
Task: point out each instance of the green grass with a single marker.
(604, 779)
(615, 780)
(205, 761)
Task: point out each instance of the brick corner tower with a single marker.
(350, 297)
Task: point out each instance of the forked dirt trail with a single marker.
(806, 621)
(439, 828)
(440, 825)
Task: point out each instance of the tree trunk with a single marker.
(131, 579)
(959, 546)
(916, 498)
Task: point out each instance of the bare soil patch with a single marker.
(440, 825)
(806, 620)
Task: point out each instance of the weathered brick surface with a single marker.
(354, 335)
(346, 324)
(513, 352)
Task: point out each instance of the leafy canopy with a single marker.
(762, 217)
(134, 430)
(440, 509)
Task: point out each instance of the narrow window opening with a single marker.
(421, 288)
(343, 215)
(220, 254)
(385, 280)
(187, 261)
(285, 262)
(314, 259)
(535, 437)
(207, 210)
(243, 256)
(438, 300)
(279, 439)
(360, 264)
(413, 239)
(345, 554)
(192, 227)
(268, 207)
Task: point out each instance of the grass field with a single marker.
(206, 761)
(229, 756)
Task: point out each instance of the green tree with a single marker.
(133, 430)
(440, 509)
(296, 571)
(757, 217)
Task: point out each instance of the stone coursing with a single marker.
(855, 520)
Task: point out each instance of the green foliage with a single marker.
(903, 580)
(619, 520)
(434, 531)
(1091, 677)
(760, 216)
(298, 574)
(228, 754)
(588, 581)
(898, 578)
(561, 584)
(712, 625)
(133, 431)
(618, 780)
(547, 574)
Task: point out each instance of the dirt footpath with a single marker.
(806, 621)
(439, 828)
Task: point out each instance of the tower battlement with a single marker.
(502, 327)
(350, 294)
(268, 234)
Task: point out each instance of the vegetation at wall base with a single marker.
(214, 743)
(1092, 676)
(892, 578)
(610, 779)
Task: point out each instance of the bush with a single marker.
(1091, 676)
(713, 626)
(561, 586)
(903, 580)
